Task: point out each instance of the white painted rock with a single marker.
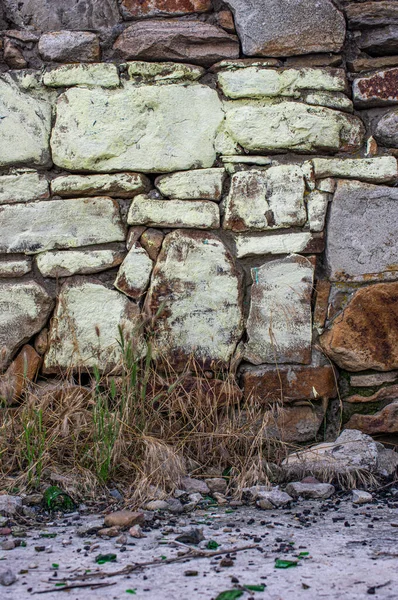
(85, 330)
(382, 169)
(198, 184)
(151, 129)
(99, 74)
(25, 127)
(198, 214)
(15, 267)
(24, 309)
(279, 325)
(32, 228)
(261, 200)
(317, 205)
(134, 273)
(77, 262)
(196, 282)
(310, 491)
(22, 187)
(117, 185)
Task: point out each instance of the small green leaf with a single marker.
(230, 595)
(283, 563)
(212, 545)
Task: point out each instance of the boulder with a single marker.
(386, 129)
(276, 497)
(361, 497)
(179, 40)
(288, 27)
(69, 46)
(124, 519)
(217, 485)
(194, 269)
(279, 326)
(363, 219)
(77, 262)
(134, 273)
(25, 308)
(163, 8)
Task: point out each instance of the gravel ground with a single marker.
(353, 553)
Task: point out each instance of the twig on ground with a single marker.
(66, 588)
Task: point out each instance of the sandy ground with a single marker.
(351, 552)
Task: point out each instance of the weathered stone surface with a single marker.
(384, 394)
(101, 74)
(384, 421)
(164, 72)
(196, 282)
(286, 243)
(69, 46)
(259, 126)
(255, 82)
(152, 240)
(276, 497)
(194, 486)
(13, 55)
(33, 228)
(288, 27)
(186, 40)
(54, 15)
(362, 223)
(25, 127)
(361, 497)
(299, 423)
(364, 335)
(310, 491)
(163, 8)
(134, 273)
(372, 64)
(124, 519)
(377, 89)
(314, 60)
(134, 236)
(118, 185)
(15, 267)
(22, 187)
(386, 129)
(279, 323)
(382, 169)
(261, 200)
(225, 19)
(21, 371)
(322, 292)
(25, 308)
(372, 14)
(77, 262)
(380, 40)
(205, 184)
(289, 383)
(85, 330)
(334, 100)
(190, 390)
(199, 214)
(317, 204)
(147, 128)
(374, 379)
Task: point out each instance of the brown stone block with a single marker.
(384, 421)
(162, 8)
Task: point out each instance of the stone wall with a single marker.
(227, 166)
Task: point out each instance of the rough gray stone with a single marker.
(77, 262)
(217, 484)
(361, 497)
(275, 496)
(197, 184)
(194, 486)
(9, 505)
(22, 187)
(15, 267)
(117, 185)
(134, 273)
(7, 577)
(100, 74)
(379, 41)
(196, 214)
(363, 221)
(310, 491)
(69, 46)
(372, 14)
(288, 27)
(386, 129)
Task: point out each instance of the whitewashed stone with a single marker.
(382, 169)
(198, 214)
(205, 184)
(196, 284)
(285, 243)
(85, 330)
(25, 127)
(254, 82)
(24, 309)
(38, 226)
(164, 72)
(317, 205)
(100, 74)
(152, 129)
(249, 160)
(271, 199)
(77, 262)
(134, 273)
(334, 100)
(327, 185)
(15, 267)
(22, 187)
(260, 125)
(279, 325)
(119, 185)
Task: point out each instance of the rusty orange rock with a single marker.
(21, 371)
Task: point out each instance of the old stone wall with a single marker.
(227, 166)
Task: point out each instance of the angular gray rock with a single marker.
(362, 223)
(276, 497)
(386, 129)
(7, 577)
(25, 308)
(186, 40)
(69, 46)
(22, 187)
(310, 491)
(117, 185)
(372, 14)
(195, 214)
(361, 497)
(379, 41)
(9, 505)
(288, 27)
(194, 486)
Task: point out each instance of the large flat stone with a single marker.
(180, 40)
(100, 74)
(164, 72)
(288, 27)
(118, 185)
(382, 169)
(386, 129)
(364, 336)
(24, 309)
(284, 243)
(196, 285)
(363, 223)
(260, 125)
(11, 266)
(163, 8)
(198, 214)
(279, 325)
(148, 128)
(39, 226)
(205, 184)
(134, 273)
(372, 14)
(25, 127)
(255, 82)
(77, 262)
(22, 187)
(85, 330)
(271, 199)
(377, 89)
